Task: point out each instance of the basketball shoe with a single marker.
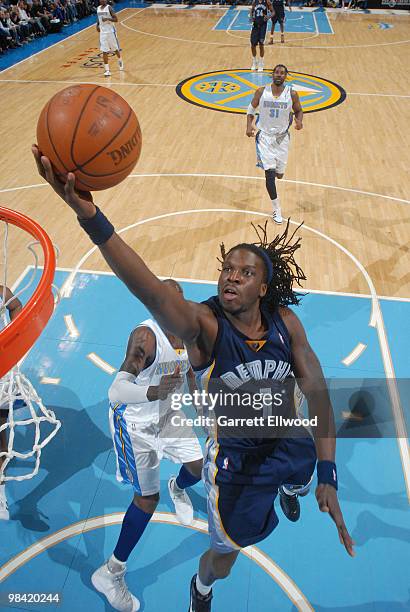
(182, 503)
(290, 503)
(277, 214)
(198, 602)
(114, 587)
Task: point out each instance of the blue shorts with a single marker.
(258, 33)
(242, 488)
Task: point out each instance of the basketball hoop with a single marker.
(19, 335)
(20, 405)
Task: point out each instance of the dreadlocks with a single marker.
(286, 271)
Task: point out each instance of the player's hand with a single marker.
(169, 383)
(250, 132)
(298, 125)
(326, 496)
(80, 201)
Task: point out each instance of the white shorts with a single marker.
(272, 151)
(140, 446)
(109, 42)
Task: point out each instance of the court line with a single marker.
(232, 176)
(376, 320)
(129, 84)
(282, 579)
(220, 19)
(354, 354)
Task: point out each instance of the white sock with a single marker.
(203, 589)
(114, 565)
(275, 204)
(120, 63)
(107, 67)
(2, 490)
(261, 61)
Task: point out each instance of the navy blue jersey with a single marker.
(243, 367)
(260, 13)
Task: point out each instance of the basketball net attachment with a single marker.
(21, 408)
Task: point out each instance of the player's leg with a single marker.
(212, 566)
(186, 450)
(254, 42)
(137, 465)
(282, 30)
(106, 64)
(272, 29)
(109, 579)
(270, 181)
(4, 511)
(238, 516)
(300, 454)
(116, 47)
(262, 35)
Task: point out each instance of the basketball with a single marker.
(92, 131)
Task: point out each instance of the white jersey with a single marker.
(106, 27)
(275, 113)
(166, 360)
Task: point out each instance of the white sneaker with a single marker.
(107, 73)
(115, 589)
(182, 503)
(4, 509)
(260, 67)
(277, 215)
(254, 66)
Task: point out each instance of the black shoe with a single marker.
(290, 505)
(199, 603)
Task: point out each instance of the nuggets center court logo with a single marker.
(231, 91)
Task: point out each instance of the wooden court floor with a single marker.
(347, 175)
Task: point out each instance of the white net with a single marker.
(24, 420)
(18, 397)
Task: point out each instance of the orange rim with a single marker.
(19, 335)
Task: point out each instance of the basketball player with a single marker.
(277, 104)
(259, 15)
(13, 306)
(139, 417)
(279, 16)
(246, 332)
(108, 34)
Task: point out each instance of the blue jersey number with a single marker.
(274, 113)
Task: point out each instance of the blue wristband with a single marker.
(327, 473)
(98, 227)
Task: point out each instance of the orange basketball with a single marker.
(91, 131)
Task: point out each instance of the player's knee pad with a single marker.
(270, 183)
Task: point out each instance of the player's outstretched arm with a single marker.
(311, 381)
(297, 110)
(172, 311)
